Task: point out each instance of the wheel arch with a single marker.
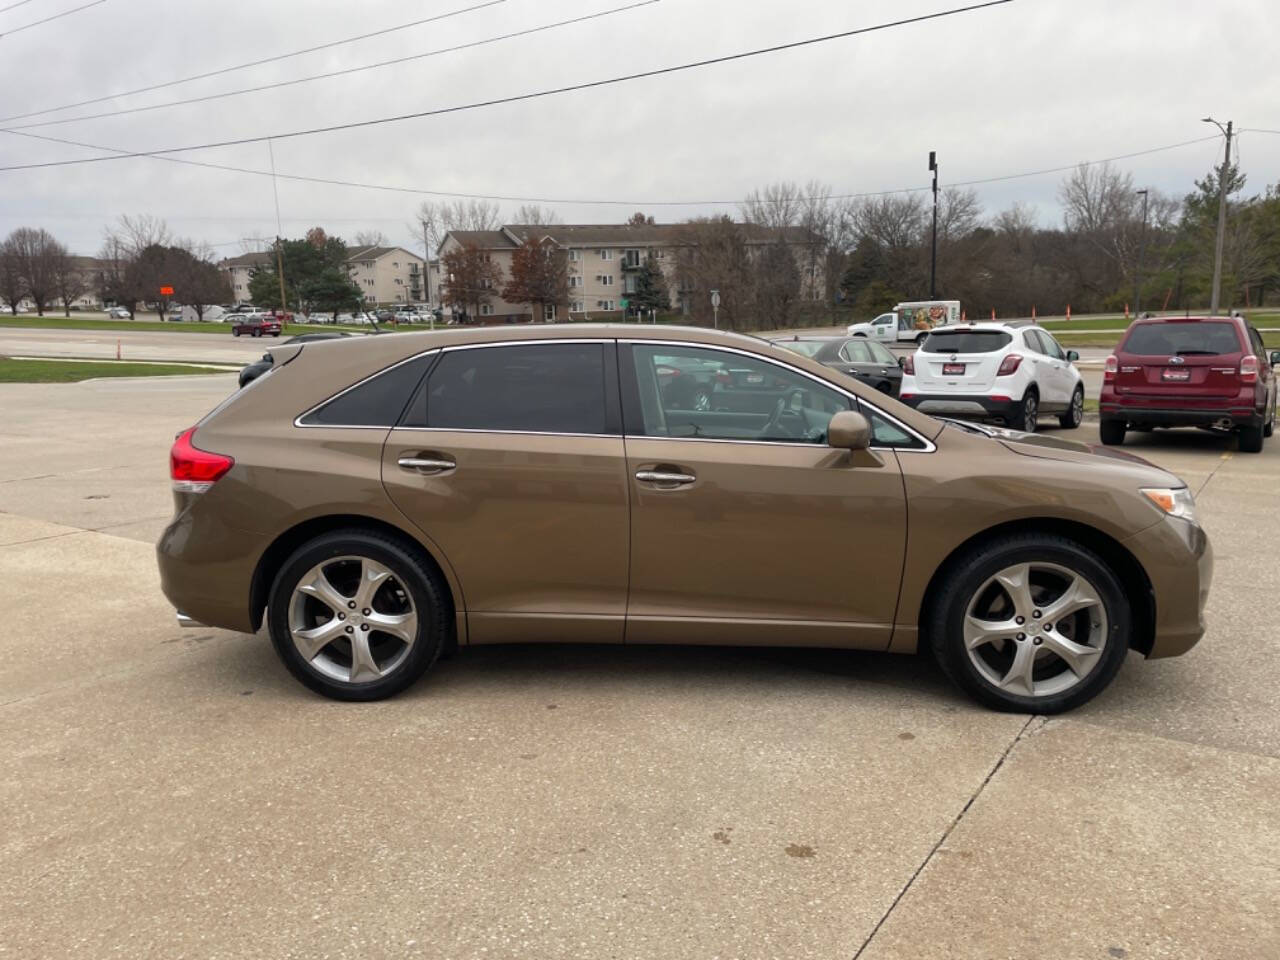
(289, 540)
(1123, 563)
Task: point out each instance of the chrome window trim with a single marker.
(929, 445)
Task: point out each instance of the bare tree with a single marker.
(370, 238)
(1095, 197)
(140, 231)
(12, 287)
(37, 254)
(533, 214)
(895, 221)
(779, 204)
(959, 213)
(69, 280)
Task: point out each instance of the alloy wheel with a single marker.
(1035, 629)
(352, 620)
(1030, 412)
(1077, 408)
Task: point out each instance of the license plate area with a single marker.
(1172, 375)
(953, 369)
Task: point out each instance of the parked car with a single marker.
(407, 316)
(1010, 372)
(244, 308)
(859, 357)
(318, 317)
(499, 485)
(1190, 371)
(256, 325)
(118, 313)
(252, 371)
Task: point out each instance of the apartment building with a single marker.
(604, 262)
(385, 275)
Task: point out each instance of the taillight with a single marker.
(909, 364)
(1009, 364)
(1109, 371)
(1248, 369)
(193, 470)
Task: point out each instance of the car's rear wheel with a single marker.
(1111, 432)
(1075, 413)
(1027, 416)
(356, 615)
(1034, 623)
(1251, 438)
(257, 333)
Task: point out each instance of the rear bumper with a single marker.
(206, 569)
(976, 405)
(1162, 417)
(1178, 560)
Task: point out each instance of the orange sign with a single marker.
(166, 291)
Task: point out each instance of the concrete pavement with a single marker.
(168, 792)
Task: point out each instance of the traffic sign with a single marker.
(166, 291)
(715, 298)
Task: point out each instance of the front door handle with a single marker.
(666, 479)
(427, 465)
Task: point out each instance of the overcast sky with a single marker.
(1025, 86)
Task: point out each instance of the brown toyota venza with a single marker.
(381, 500)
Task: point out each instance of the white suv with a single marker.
(994, 371)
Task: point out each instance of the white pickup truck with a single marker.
(908, 322)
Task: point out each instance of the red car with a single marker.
(1190, 372)
(257, 325)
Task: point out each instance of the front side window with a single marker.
(539, 388)
(701, 393)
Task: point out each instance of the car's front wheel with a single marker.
(1075, 413)
(1034, 623)
(357, 615)
(235, 333)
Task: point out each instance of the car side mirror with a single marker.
(902, 361)
(1073, 356)
(1275, 357)
(849, 430)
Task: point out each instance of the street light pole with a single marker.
(933, 260)
(1142, 246)
(1222, 215)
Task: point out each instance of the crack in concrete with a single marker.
(1022, 732)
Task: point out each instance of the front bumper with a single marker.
(974, 406)
(1178, 560)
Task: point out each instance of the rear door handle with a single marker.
(427, 465)
(665, 478)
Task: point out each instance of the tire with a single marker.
(257, 333)
(862, 335)
(1270, 425)
(1028, 675)
(411, 588)
(1028, 414)
(235, 333)
(1075, 413)
(1251, 438)
(1112, 432)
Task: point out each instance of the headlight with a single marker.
(1176, 501)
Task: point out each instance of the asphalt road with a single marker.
(168, 792)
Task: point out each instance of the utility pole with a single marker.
(933, 260)
(275, 193)
(1142, 246)
(1222, 215)
(284, 306)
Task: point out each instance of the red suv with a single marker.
(257, 325)
(1190, 372)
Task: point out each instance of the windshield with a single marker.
(966, 341)
(1206, 338)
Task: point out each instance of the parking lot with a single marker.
(168, 792)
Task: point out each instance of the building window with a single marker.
(575, 281)
(606, 254)
(399, 282)
(577, 306)
(604, 279)
(575, 256)
(486, 283)
(605, 305)
(486, 309)
(396, 264)
(631, 258)
(659, 254)
(549, 312)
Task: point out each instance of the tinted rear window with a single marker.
(378, 402)
(542, 388)
(1171, 339)
(969, 341)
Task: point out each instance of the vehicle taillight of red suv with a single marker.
(1209, 372)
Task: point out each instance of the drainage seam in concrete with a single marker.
(946, 833)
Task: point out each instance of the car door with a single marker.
(510, 459)
(745, 526)
(1051, 375)
(1064, 370)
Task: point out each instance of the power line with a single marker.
(418, 191)
(252, 63)
(14, 6)
(334, 73)
(56, 16)
(554, 91)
